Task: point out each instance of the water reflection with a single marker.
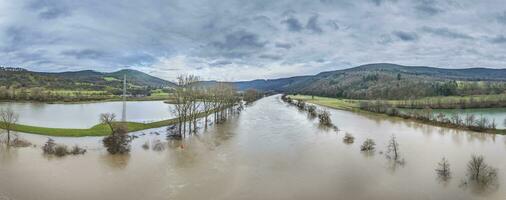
(115, 161)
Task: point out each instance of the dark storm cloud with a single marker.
(445, 32)
(293, 24)
(428, 7)
(240, 40)
(313, 25)
(406, 36)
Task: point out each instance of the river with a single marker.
(270, 151)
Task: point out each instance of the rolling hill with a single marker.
(85, 80)
(388, 81)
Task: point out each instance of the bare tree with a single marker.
(479, 171)
(393, 149)
(443, 169)
(8, 120)
(108, 119)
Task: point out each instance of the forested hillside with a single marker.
(390, 81)
(21, 84)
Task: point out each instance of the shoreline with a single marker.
(339, 104)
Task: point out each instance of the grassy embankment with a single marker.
(97, 130)
(353, 105)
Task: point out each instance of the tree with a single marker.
(443, 169)
(8, 120)
(479, 171)
(119, 140)
(393, 149)
(368, 145)
(324, 118)
(108, 119)
(251, 95)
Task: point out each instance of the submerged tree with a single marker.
(348, 138)
(480, 172)
(443, 170)
(119, 140)
(368, 145)
(393, 150)
(8, 119)
(324, 117)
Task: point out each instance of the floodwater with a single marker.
(270, 151)
(493, 114)
(86, 115)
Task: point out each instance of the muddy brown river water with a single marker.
(270, 151)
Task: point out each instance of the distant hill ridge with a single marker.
(85, 79)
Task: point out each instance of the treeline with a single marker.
(251, 95)
(322, 114)
(398, 86)
(44, 95)
(191, 101)
(495, 101)
(470, 121)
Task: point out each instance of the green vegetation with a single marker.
(340, 104)
(22, 85)
(421, 115)
(389, 81)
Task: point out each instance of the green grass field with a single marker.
(97, 130)
(341, 104)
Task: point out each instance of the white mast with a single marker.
(123, 114)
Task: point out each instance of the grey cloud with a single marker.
(313, 25)
(293, 24)
(428, 7)
(406, 36)
(84, 54)
(237, 44)
(501, 18)
(283, 45)
(445, 32)
(220, 63)
(334, 24)
(271, 57)
(49, 9)
(240, 39)
(500, 39)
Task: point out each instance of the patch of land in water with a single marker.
(353, 105)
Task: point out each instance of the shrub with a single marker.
(118, 142)
(49, 146)
(368, 145)
(348, 138)
(61, 150)
(324, 118)
(76, 150)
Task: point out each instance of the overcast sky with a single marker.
(243, 40)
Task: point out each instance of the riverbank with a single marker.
(354, 106)
(97, 130)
